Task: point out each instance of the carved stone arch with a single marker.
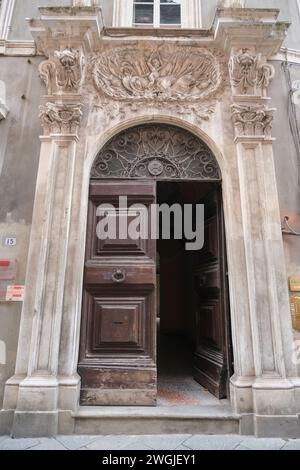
(156, 151)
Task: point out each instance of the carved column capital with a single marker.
(60, 118)
(252, 120)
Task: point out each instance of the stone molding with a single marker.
(17, 48)
(84, 27)
(257, 28)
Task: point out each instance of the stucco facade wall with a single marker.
(286, 164)
(29, 9)
(287, 167)
(19, 155)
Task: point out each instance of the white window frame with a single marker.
(156, 15)
(6, 13)
(191, 14)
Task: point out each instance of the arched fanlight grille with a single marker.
(156, 151)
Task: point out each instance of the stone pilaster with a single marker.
(270, 395)
(34, 392)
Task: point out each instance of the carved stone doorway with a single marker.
(117, 361)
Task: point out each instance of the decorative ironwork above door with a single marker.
(156, 151)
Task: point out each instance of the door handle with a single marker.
(118, 276)
(202, 281)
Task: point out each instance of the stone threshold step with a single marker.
(159, 420)
(155, 411)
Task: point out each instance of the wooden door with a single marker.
(117, 361)
(213, 357)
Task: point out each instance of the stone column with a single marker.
(272, 396)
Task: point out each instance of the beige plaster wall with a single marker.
(19, 154)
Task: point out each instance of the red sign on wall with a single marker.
(8, 274)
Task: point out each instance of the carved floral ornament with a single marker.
(248, 72)
(254, 120)
(177, 76)
(156, 151)
(63, 72)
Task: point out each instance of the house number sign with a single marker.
(10, 241)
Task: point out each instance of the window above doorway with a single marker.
(157, 13)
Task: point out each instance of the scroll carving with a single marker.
(60, 118)
(47, 72)
(69, 73)
(114, 109)
(156, 151)
(253, 120)
(178, 74)
(63, 72)
(248, 73)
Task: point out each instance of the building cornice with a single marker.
(17, 48)
(287, 55)
(28, 48)
(260, 23)
(250, 27)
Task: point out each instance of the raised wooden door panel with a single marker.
(102, 192)
(117, 325)
(211, 358)
(117, 362)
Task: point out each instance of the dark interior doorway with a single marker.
(194, 346)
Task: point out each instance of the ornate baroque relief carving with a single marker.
(248, 73)
(156, 151)
(60, 118)
(254, 120)
(114, 110)
(186, 79)
(164, 74)
(63, 72)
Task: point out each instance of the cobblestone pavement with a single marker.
(150, 442)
